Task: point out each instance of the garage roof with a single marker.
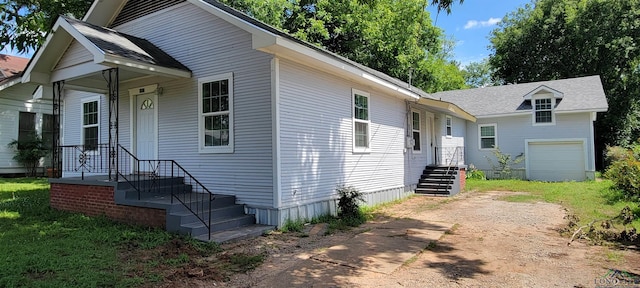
(584, 94)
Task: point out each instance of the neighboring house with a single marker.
(20, 113)
(549, 122)
(252, 113)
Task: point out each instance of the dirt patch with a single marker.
(494, 244)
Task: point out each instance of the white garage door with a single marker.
(556, 161)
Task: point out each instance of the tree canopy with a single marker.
(392, 36)
(556, 39)
(479, 74)
(26, 22)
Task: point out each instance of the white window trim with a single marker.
(354, 120)
(553, 113)
(82, 126)
(217, 149)
(450, 120)
(419, 131)
(495, 135)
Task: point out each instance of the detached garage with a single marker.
(556, 160)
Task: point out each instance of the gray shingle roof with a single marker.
(114, 43)
(580, 94)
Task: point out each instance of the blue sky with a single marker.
(471, 23)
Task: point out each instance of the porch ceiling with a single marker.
(446, 108)
(135, 57)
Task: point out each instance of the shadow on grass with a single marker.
(42, 246)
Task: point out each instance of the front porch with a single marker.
(85, 67)
(166, 202)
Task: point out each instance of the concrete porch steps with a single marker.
(228, 219)
(438, 181)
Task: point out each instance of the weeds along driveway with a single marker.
(493, 243)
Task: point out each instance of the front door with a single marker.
(146, 138)
(430, 143)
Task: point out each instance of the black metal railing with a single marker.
(85, 159)
(166, 177)
(454, 155)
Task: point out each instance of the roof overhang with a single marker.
(41, 69)
(447, 108)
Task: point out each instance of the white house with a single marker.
(550, 123)
(236, 108)
(193, 124)
(20, 113)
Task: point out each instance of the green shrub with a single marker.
(504, 162)
(474, 173)
(624, 170)
(293, 225)
(349, 202)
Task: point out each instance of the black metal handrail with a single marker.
(83, 159)
(454, 156)
(156, 176)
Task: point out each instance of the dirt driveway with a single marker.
(492, 243)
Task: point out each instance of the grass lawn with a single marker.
(590, 200)
(43, 247)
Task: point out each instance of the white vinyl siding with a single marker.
(13, 101)
(516, 129)
(416, 124)
(75, 54)
(216, 114)
(488, 136)
(316, 113)
(361, 121)
(209, 46)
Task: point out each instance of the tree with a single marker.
(26, 22)
(555, 39)
(392, 36)
(479, 74)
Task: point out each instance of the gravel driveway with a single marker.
(493, 243)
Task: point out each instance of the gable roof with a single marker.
(115, 44)
(11, 66)
(584, 94)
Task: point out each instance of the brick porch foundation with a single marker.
(94, 200)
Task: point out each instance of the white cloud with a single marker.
(475, 23)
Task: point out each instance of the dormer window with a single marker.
(543, 111)
(543, 101)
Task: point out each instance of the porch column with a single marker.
(56, 150)
(113, 83)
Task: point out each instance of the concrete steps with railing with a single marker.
(229, 220)
(439, 181)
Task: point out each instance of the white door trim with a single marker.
(583, 141)
(151, 90)
(430, 137)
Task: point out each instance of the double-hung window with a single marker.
(26, 127)
(449, 124)
(361, 121)
(543, 111)
(216, 114)
(90, 123)
(488, 136)
(415, 127)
